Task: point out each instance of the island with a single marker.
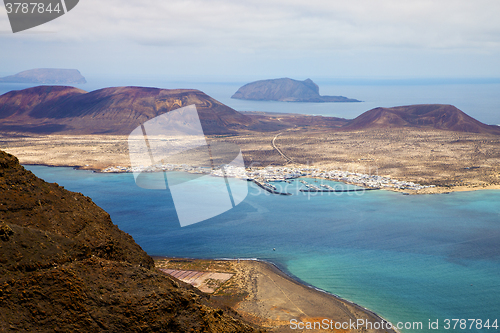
(424, 148)
(46, 76)
(286, 90)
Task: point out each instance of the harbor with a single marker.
(269, 188)
(267, 175)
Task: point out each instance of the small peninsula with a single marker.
(46, 76)
(286, 90)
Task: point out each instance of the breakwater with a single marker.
(268, 189)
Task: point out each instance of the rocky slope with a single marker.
(438, 116)
(65, 267)
(286, 90)
(46, 76)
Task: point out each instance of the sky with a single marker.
(264, 39)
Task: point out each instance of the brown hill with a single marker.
(119, 110)
(438, 116)
(19, 103)
(65, 267)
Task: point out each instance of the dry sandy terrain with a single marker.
(94, 152)
(265, 296)
(451, 160)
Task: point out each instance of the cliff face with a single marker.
(65, 267)
(286, 90)
(438, 116)
(108, 111)
(46, 76)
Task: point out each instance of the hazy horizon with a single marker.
(259, 39)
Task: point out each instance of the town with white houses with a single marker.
(267, 175)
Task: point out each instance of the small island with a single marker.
(46, 76)
(286, 90)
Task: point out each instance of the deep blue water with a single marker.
(408, 258)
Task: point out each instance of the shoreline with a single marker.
(448, 160)
(425, 191)
(309, 290)
(308, 285)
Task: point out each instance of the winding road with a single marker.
(288, 159)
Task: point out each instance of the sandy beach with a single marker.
(264, 295)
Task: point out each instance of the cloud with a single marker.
(261, 37)
(286, 25)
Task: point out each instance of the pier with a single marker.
(268, 188)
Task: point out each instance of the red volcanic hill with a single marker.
(68, 110)
(438, 116)
(49, 109)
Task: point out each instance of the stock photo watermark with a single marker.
(218, 182)
(24, 15)
(177, 138)
(430, 325)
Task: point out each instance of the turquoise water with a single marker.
(408, 258)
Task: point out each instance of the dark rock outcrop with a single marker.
(438, 116)
(65, 267)
(46, 76)
(286, 90)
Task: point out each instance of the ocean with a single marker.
(407, 258)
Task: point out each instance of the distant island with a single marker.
(428, 144)
(286, 90)
(46, 76)
(118, 110)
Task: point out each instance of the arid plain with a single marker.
(429, 144)
(453, 161)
